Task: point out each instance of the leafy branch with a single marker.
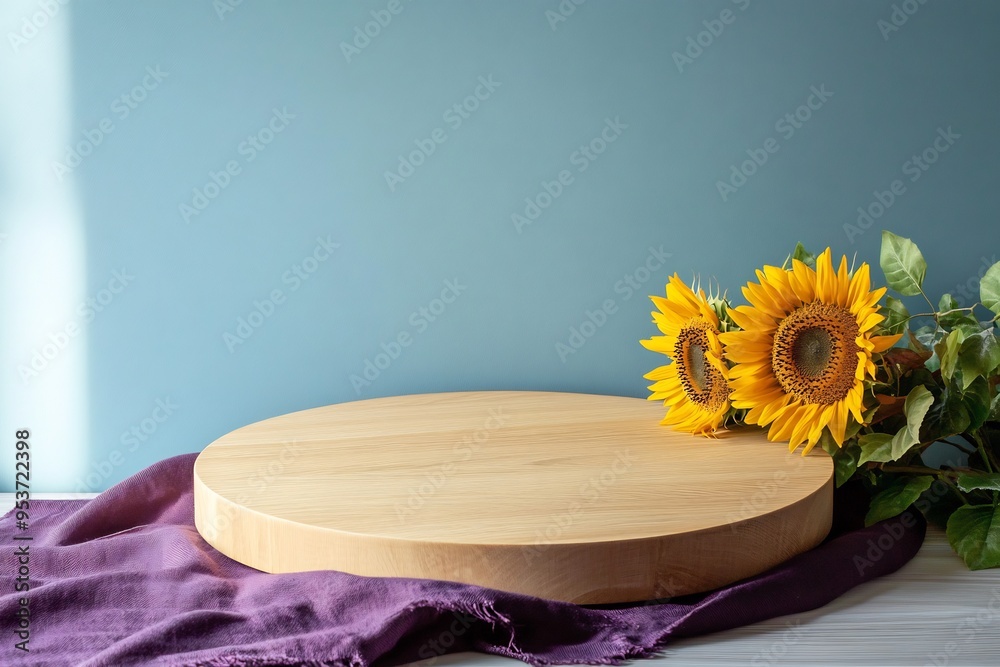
(941, 388)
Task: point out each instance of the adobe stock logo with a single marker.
(31, 25)
(250, 148)
(584, 156)
(294, 277)
(591, 491)
(562, 12)
(786, 126)
(900, 14)
(421, 320)
(593, 320)
(454, 116)
(139, 433)
(696, 44)
(122, 107)
(462, 450)
(223, 7)
(914, 168)
(87, 311)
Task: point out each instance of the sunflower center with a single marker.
(815, 355)
(696, 366)
(812, 351)
(702, 382)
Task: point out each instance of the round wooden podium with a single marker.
(571, 497)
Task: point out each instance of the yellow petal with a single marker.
(843, 283)
(860, 284)
(825, 277)
(838, 423)
(870, 322)
(883, 343)
(803, 281)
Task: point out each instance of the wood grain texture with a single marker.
(572, 497)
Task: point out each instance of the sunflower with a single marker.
(805, 349)
(694, 386)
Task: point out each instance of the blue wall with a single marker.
(675, 120)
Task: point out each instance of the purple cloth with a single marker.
(126, 579)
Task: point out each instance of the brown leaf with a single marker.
(906, 360)
(914, 343)
(889, 406)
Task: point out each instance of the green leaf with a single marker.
(875, 447)
(947, 416)
(978, 356)
(976, 399)
(947, 351)
(896, 498)
(972, 481)
(989, 288)
(937, 507)
(845, 459)
(800, 253)
(902, 263)
(994, 409)
(845, 463)
(914, 343)
(827, 442)
(896, 316)
(918, 401)
(961, 319)
(853, 426)
(933, 364)
(929, 336)
(969, 327)
(947, 302)
(974, 533)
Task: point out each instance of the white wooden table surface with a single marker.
(932, 612)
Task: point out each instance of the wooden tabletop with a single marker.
(574, 497)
